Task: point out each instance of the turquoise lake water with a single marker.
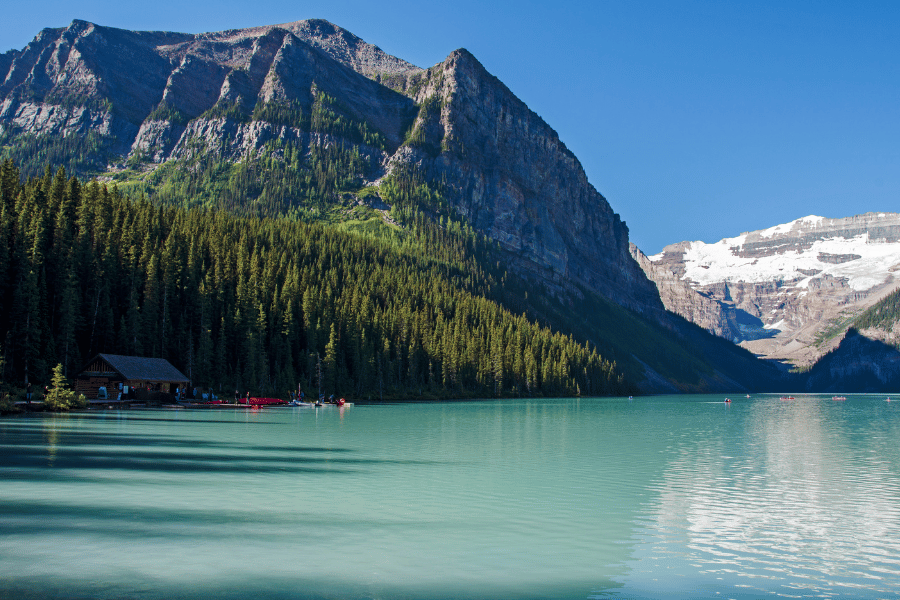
(663, 497)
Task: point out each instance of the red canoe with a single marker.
(262, 401)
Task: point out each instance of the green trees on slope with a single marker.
(252, 303)
(882, 315)
(287, 174)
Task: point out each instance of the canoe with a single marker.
(262, 401)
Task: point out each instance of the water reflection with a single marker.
(780, 499)
(50, 428)
(655, 498)
(421, 502)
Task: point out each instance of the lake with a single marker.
(660, 497)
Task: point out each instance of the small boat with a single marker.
(787, 397)
(332, 401)
(299, 403)
(839, 397)
(263, 401)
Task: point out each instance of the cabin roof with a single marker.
(137, 368)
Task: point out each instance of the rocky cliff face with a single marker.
(783, 292)
(149, 98)
(511, 177)
(679, 297)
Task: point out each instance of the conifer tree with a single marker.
(59, 397)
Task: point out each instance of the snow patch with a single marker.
(812, 220)
(713, 263)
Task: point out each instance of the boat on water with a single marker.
(340, 402)
(332, 401)
(263, 401)
(839, 397)
(787, 397)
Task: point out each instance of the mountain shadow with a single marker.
(858, 364)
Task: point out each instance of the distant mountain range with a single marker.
(790, 292)
(306, 121)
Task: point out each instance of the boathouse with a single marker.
(135, 376)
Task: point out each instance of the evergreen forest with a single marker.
(883, 315)
(373, 312)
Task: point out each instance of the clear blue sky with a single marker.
(696, 120)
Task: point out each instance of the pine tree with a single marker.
(329, 364)
(60, 397)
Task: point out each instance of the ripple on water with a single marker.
(656, 498)
(798, 506)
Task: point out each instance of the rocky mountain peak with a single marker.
(511, 176)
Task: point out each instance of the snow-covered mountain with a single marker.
(783, 291)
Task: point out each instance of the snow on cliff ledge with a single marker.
(863, 250)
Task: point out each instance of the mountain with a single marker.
(859, 363)
(788, 292)
(306, 121)
(152, 98)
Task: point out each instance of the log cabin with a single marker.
(135, 376)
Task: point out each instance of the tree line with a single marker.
(261, 304)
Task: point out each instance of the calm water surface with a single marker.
(664, 497)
